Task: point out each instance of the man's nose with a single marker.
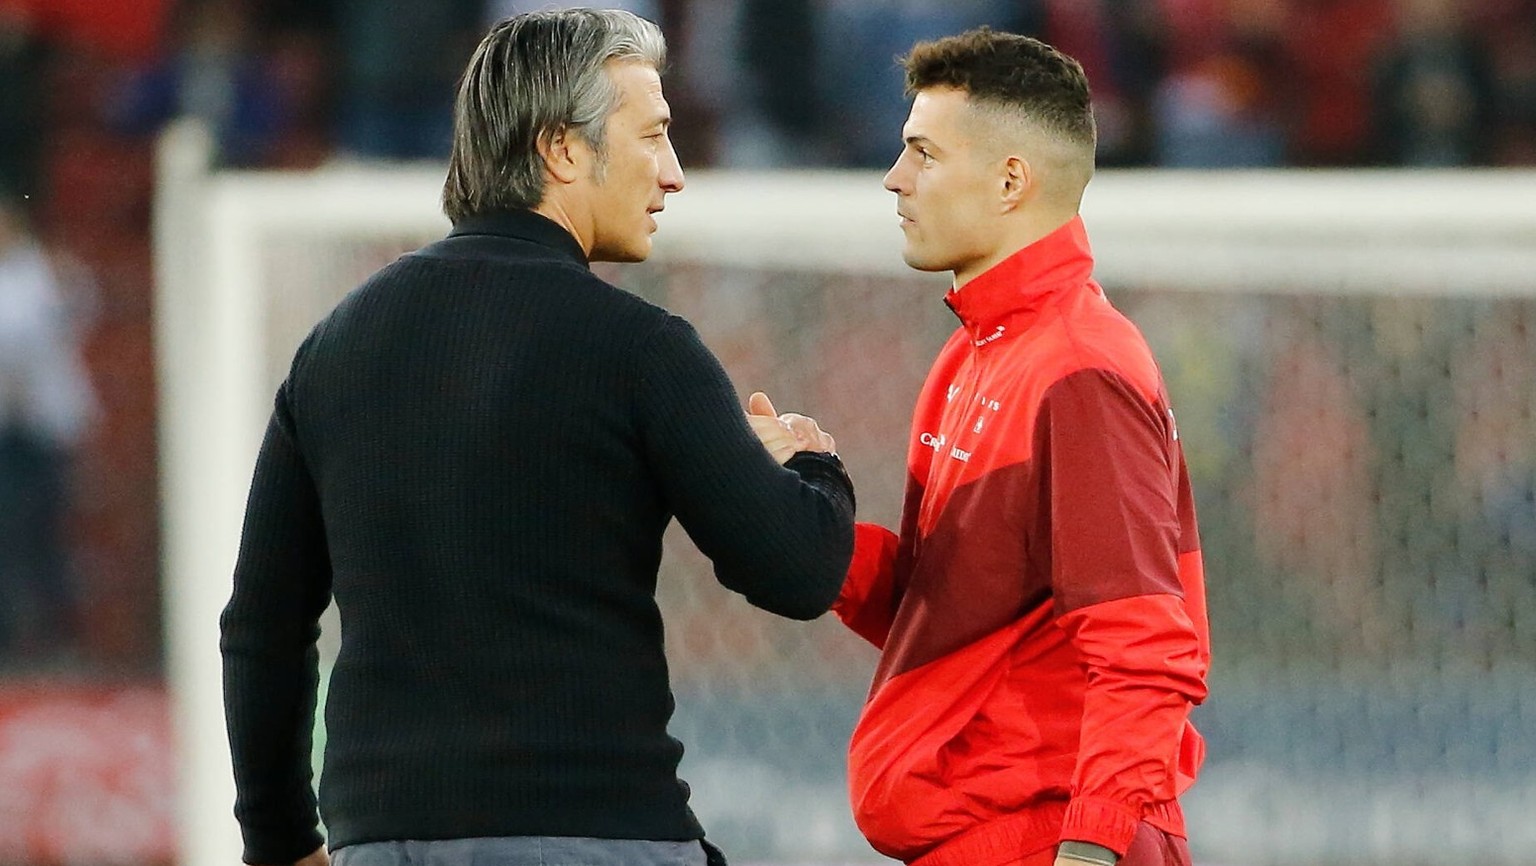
(671, 177)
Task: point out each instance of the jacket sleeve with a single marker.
(1113, 470)
(780, 535)
(1145, 672)
(867, 603)
(282, 584)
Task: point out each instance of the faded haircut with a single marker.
(1010, 77)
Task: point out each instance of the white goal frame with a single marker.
(1217, 232)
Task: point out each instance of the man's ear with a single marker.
(1019, 182)
(561, 152)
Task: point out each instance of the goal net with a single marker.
(1353, 361)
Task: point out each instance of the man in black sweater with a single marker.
(476, 454)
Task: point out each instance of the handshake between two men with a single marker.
(787, 434)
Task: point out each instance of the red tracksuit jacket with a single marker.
(1041, 616)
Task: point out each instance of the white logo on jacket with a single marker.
(995, 335)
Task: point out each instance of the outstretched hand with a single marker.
(758, 404)
(784, 435)
(773, 433)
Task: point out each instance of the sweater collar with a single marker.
(1011, 295)
(524, 225)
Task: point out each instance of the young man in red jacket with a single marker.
(1041, 613)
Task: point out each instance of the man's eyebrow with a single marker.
(922, 140)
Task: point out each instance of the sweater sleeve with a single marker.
(780, 535)
(282, 584)
(1112, 464)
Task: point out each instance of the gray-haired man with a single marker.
(476, 454)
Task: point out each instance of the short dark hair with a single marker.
(1009, 73)
(533, 75)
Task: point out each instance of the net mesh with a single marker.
(1364, 467)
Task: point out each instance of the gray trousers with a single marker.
(522, 851)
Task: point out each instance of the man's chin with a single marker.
(918, 262)
(630, 254)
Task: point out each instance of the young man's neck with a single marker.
(1027, 231)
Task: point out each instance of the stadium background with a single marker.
(1364, 455)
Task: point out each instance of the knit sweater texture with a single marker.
(476, 455)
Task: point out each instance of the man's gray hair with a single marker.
(532, 76)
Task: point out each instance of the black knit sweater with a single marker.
(477, 453)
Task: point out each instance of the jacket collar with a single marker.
(523, 225)
(1011, 295)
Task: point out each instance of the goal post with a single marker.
(1352, 357)
(215, 358)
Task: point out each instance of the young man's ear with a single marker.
(562, 151)
(1018, 183)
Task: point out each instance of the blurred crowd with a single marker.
(1185, 83)
(84, 87)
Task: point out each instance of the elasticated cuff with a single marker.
(1102, 822)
